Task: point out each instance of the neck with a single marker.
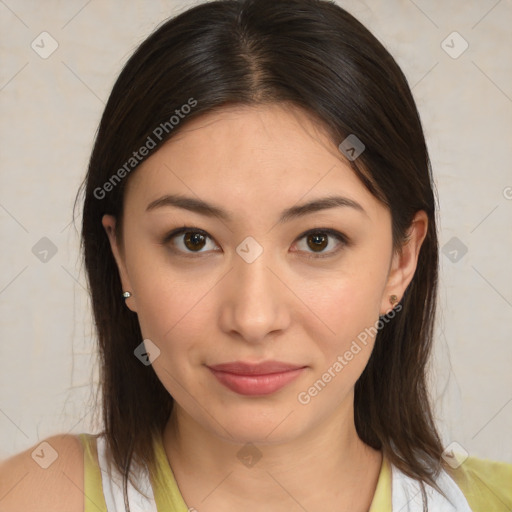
(331, 459)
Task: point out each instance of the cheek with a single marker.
(173, 305)
(154, 286)
(351, 314)
(171, 313)
(168, 306)
(347, 302)
(350, 306)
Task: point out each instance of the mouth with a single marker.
(256, 379)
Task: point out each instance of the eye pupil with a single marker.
(319, 241)
(193, 239)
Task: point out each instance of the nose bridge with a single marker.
(254, 276)
(251, 261)
(255, 305)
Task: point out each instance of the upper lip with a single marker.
(264, 368)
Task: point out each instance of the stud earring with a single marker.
(393, 299)
(127, 295)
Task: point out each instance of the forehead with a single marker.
(248, 157)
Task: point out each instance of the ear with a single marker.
(404, 262)
(109, 223)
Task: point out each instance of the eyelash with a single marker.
(326, 231)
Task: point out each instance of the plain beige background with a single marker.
(50, 108)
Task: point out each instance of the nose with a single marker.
(255, 300)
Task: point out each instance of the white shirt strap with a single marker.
(113, 490)
(407, 497)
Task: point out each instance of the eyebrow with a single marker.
(294, 212)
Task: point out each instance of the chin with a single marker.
(258, 424)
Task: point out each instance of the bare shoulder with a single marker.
(48, 476)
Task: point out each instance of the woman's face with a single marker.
(247, 285)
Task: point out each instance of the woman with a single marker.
(260, 241)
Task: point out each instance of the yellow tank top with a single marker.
(486, 484)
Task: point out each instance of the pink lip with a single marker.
(256, 379)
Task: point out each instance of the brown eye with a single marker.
(317, 240)
(187, 241)
(194, 241)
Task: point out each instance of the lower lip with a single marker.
(256, 384)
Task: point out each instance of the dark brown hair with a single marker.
(314, 55)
